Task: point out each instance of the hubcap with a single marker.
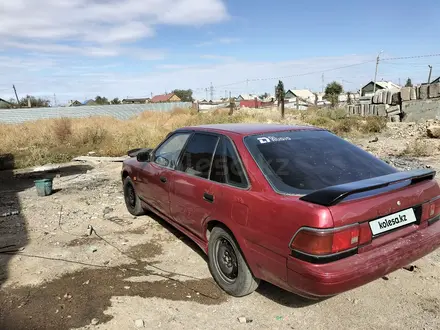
(130, 196)
(226, 260)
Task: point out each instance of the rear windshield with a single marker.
(300, 162)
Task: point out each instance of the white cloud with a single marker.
(98, 23)
(217, 57)
(219, 41)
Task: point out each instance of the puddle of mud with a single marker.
(145, 251)
(74, 299)
(86, 240)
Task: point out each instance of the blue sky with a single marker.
(78, 49)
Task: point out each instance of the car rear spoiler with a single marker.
(335, 194)
(134, 152)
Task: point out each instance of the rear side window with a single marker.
(300, 162)
(198, 154)
(226, 166)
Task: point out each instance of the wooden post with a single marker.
(231, 105)
(282, 107)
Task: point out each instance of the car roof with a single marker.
(248, 129)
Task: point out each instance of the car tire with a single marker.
(132, 201)
(228, 266)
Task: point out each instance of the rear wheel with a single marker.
(227, 264)
(132, 200)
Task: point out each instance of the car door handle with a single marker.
(208, 197)
(163, 179)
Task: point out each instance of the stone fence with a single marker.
(402, 104)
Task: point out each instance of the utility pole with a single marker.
(206, 90)
(375, 74)
(211, 91)
(54, 99)
(247, 86)
(16, 96)
(430, 71)
(322, 90)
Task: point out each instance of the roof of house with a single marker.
(248, 129)
(302, 93)
(141, 99)
(384, 85)
(162, 98)
(248, 96)
(435, 81)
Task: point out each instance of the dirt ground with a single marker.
(133, 272)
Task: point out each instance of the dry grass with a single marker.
(417, 148)
(59, 140)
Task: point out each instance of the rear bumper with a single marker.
(314, 281)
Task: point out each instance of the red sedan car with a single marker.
(295, 206)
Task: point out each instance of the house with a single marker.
(435, 81)
(171, 97)
(302, 94)
(246, 97)
(368, 89)
(89, 102)
(75, 103)
(137, 101)
(5, 104)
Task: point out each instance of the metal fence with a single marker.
(119, 111)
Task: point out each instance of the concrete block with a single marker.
(413, 95)
(389, 97)
(380, 98)
(395, 118)
(434, 90)
(396, 99)
(421, 110)
(375, 98)
(423, 92)
(380, 110)
(405, 93)
(393, 110)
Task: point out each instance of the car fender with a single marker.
(235, 229)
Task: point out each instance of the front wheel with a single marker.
(132, 200)
(227, 264)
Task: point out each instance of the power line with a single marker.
(409, 57)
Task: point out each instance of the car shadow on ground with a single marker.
(266, 289)
(13, 227)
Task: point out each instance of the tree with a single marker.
(36, 102)
(408, 83)
(101, 100)
(116, 101)
(332, 92)
(349, 100)
(264, 96)
(185, 95)
(280, 93)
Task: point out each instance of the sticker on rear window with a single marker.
(269, 139)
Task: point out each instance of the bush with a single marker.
(374, 124)
(417, 148)
(62, 129)
(346, 125)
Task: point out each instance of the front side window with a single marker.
(168, 153)
(226, 166)
(300, 162)
(197, 157)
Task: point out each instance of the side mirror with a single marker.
(143, 156)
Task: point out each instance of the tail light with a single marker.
(431, 209)
(321, 242)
